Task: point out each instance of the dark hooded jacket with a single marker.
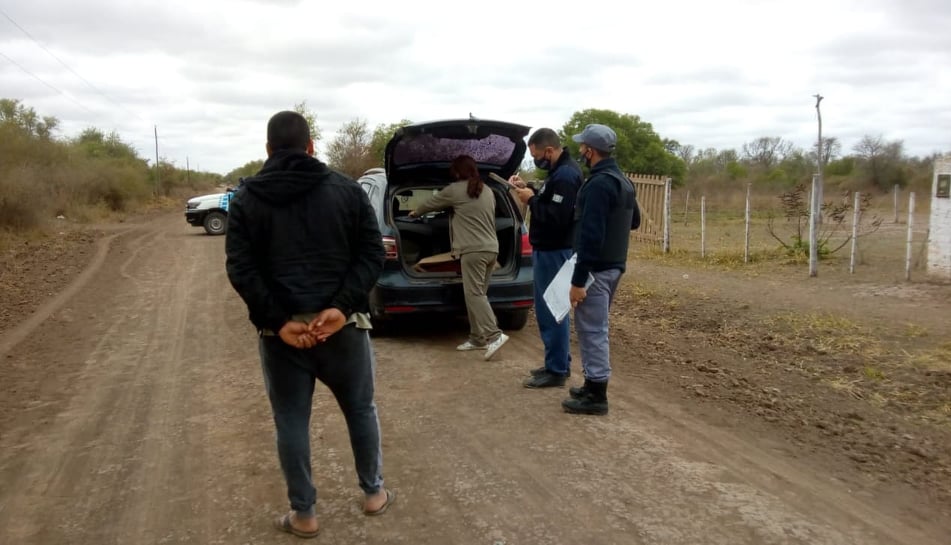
(301, 238)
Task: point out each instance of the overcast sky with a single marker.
(717, 74)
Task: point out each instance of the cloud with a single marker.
(210, 73)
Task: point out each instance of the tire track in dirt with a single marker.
(14, 336)
(131, 442)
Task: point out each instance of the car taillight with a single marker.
(526, 245)
(390, 249)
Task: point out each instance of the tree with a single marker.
(639, 149)
(831, 149)
(311, 118)
(687, 154)
(350, 152)
(97, 144)
(23, 119)
(248, 169)
(381, 136)
(834, 216)
(881, 162)
(766, 151)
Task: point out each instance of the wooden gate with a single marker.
(653, 197)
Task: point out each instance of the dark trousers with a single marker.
(556, 337)
(345, 365)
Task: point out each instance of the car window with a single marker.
(410, 199)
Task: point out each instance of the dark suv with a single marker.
(418, 275)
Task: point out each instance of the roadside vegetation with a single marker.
(85, 178)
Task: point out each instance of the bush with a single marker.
(17, 210)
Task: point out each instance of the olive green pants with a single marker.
(477, 269)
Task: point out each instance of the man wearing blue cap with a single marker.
(605, 213)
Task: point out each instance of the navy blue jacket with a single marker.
(553, 207)
(301, 238)
(604, 217)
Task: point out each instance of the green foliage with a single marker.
(735, 170)
(95, 144)
(349, 151)
(311, 117)
(883, 164)
(639, 148)
(381, 136)
(840, 167)
(42, 176)
(248, 169)
(15, 115)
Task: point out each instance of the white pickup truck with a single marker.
(210, 211)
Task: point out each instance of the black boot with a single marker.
(593, 399)
(577, 392)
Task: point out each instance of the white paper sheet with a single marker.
(556, 294)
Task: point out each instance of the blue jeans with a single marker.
(345, 365)
(591, 324)
(556, 337)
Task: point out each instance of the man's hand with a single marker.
(577, 295)
(297, 334)
(327, 323)
(524, 194)
(413, 214)
(517, 182)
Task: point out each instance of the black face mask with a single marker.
(585, 160)
(543, 164)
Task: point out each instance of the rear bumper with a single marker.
(394, 294)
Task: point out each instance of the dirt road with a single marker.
(135, 413)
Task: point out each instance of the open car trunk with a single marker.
(424, 243)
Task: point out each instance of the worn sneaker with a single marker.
(494, 346)
(469, 345)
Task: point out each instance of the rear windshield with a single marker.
(494, 150)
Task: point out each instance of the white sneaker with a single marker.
(469, 346)
(494, 346)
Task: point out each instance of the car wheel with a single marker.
(513, 319)
(216, 223)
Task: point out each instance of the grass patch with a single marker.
(936, 359)
(873, 373)
(829, 333)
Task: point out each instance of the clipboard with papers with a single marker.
(556, 294)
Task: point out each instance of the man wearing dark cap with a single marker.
(604, 217)
(303, 251)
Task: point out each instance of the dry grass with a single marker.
(830, 334)
(935, 359)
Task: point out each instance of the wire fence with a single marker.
(739, 226)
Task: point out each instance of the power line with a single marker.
(46, 83)
(62, 62)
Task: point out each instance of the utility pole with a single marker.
(819, 156)
(188, 174)
(815, 206)
(158, 171)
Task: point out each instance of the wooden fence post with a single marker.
(667, 216)
(855, 231)
(703, 227)
(911, 223)
(746, 244)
